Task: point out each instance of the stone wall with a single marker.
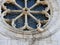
(53, 40)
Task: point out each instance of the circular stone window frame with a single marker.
(50, 29)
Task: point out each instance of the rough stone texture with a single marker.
(53, 40)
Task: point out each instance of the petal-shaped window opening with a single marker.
(11, 6)
(11, 15)
(40, 7)
(20, 22)
(31, 22)
(41, 16)
(21, 2)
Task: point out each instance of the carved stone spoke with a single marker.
(26, 20)
(37, 12)
(25, 3)
(33, 6)
(33, 17)
(15, 10)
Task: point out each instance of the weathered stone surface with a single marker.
(52, 40)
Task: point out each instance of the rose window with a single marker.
(26, 15)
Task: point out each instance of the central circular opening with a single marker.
(25, 9)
